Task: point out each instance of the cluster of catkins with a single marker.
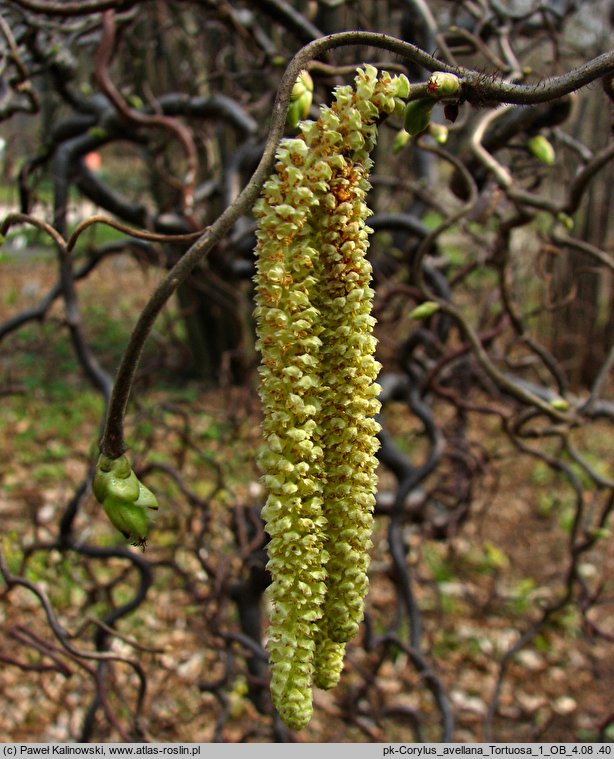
(318, 389)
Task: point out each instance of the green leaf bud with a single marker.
(424, 310)
(566, 220)
(300, 99)
(303, 84)
(600, 533)
(560, 404)
(542, 149)
(131, 520)
(443, 84)
(400, 141)
(293, 116)
(418, 115)
(125, 500)
(98, 133)
(439, 132)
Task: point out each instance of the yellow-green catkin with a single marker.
(318, 388)
(288, 328)
(348, 372)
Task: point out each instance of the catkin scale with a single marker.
(318, 390)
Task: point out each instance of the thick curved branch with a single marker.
(181, 132)
(480, 91)
(583, 179)
(76, 8)
(291, 19)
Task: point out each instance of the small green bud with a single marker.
(560, 404)
(294, 114)
(439, 132)
(418, 115)
(565, 220)
(542, 149)
(97, 133)
(126, 501)
(300, 99)
(136, 101)
(424, 310)
(303, 84)
(443, 84)
(400, 141)
(305, 104)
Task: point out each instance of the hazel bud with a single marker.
(542, 149)
(566, 220)
(124, 498)
(301, 98)
(418, 115)
(439, 132)
(424, 310)
(400, 141)
(560, 404)
(443, 84)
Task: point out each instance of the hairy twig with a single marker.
(68, 8)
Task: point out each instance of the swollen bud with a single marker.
(566, 220)
(560, 404)
(542, 149)
(424, 310)
(400, 141)
(439, 132)
(131, 520)
(300, 99)
(443, 84)
(126, 501)
(418, 115)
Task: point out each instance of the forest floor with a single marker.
(478, 591)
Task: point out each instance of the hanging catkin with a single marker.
(318, 389)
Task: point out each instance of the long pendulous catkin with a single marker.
(318, 389)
